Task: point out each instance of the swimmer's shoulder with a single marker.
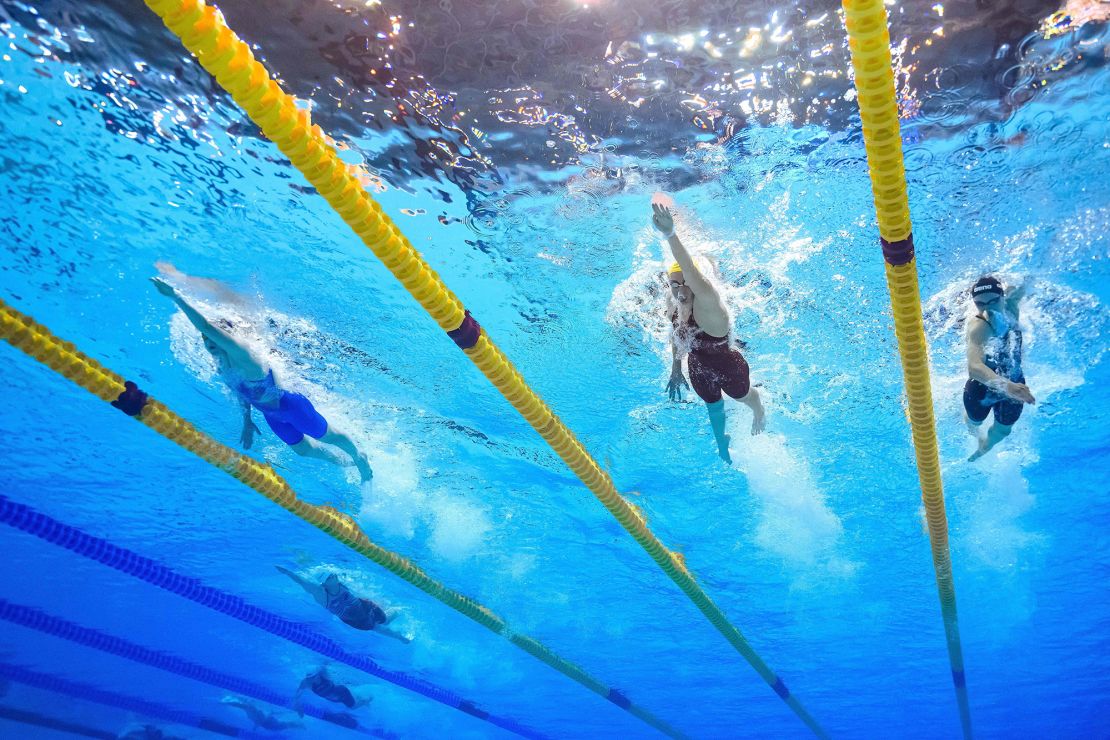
(979, 329)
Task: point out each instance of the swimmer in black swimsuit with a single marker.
(362, 614)
(321, 684)
(291, 416)
(996, 383)
(702, 331)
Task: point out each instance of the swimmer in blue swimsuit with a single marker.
(291, 416)
(321, 684)
(362, 614)
(996, 383)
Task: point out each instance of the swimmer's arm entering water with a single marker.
(237, 354)
(710, 310)
(314, 589)
(663, 220)
(977, 335)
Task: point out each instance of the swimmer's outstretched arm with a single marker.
(306, 682)
(236, 352)
(977, 367)
(246, 437)
(221, 338)
(663, 220)
(208, 285)
(314, 589)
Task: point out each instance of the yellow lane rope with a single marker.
(869, 41)
(64, 358)
(203, 31)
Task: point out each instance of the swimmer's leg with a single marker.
(752, 401)
(345, 443)
(995, 434)
(717, 422)
(973, 427)
(308, 447)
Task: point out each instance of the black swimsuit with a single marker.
(325, 688)
(715, 365)
(1003, 356)
(362, 614)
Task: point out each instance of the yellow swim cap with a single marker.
(674, 268)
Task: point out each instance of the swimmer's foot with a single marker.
(364, 470)
(984, 448)
(722, 449)
(759, 422)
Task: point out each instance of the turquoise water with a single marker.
(813, 545)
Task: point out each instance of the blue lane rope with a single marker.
(98, 695)
(42, 526)
(14, 714)
(35, 619)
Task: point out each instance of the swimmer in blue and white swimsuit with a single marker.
(996, 383)
(291, 416)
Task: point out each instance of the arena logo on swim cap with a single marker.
(986, 285)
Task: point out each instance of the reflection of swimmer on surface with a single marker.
(291, 416)
(262, 719)
(602, 180)
(996, 381)
(362, 614)
(320, 683)
(701, 332)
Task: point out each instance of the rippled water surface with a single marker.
(517, 143)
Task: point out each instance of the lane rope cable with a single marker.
(203, 31)
(869, 41)
(36, 619)
(97, 695)
(37, 524)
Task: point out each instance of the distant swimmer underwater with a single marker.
(996, 382)
(262, 719)
(333, 595)
(702, 332)
(321, 684)
(291, 416)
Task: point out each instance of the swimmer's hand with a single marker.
(675, 386)
(662, 219)
(1020, 392)
(163, 287)
(247, 437)
(167, 269)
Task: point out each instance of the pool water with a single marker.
(517, 145)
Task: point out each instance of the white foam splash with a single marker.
(795, 521)
(459, 528)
